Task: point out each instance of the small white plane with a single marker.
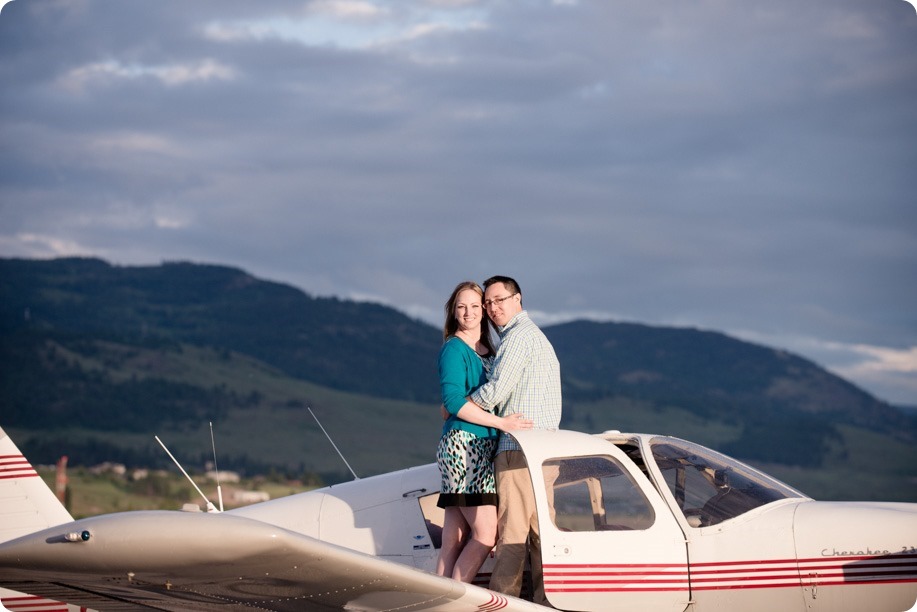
(627, 521)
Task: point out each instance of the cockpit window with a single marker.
(711, 488)
(595, 494)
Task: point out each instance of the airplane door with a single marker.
(608, 540)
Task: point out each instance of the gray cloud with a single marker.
(728, 166)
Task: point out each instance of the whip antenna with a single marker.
(309, 408)
(210, 506)
(216, 468)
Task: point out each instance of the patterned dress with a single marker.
(465, 452)
(466, 466)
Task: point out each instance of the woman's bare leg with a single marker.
(483, 525)
(455, 530)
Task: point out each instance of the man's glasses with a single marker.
(498, 301)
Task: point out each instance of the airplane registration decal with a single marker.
(15, 466)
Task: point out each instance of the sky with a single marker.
(735, 166)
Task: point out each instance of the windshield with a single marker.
(711, 488)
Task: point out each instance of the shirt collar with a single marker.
(516, 318)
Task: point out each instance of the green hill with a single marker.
(106, 401)
(95, 359)
(366, 348)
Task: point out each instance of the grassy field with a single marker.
(868, 467)
(275, 428)
(91, 494)
(379, 435)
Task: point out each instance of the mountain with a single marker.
(95, 359)
(361, 347)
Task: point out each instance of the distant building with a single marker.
(250, 497)
(109, 468)
(223, 476)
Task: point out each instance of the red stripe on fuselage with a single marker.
(708, 576)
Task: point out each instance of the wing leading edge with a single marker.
(196, 561)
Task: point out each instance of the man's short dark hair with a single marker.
(511, 285)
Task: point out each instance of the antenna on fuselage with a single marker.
(210, 506)
(216, 468)
(309, 408)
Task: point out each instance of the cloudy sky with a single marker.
(745, 167)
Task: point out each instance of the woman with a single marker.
(465, 453)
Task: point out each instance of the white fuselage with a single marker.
(792, 553)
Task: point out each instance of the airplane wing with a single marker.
(196, 561)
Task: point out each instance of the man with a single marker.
(525, 379)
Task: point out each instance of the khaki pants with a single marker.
(517, 523)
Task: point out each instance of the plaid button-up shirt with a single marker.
(525, 378)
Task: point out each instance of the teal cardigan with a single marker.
(461, 371)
